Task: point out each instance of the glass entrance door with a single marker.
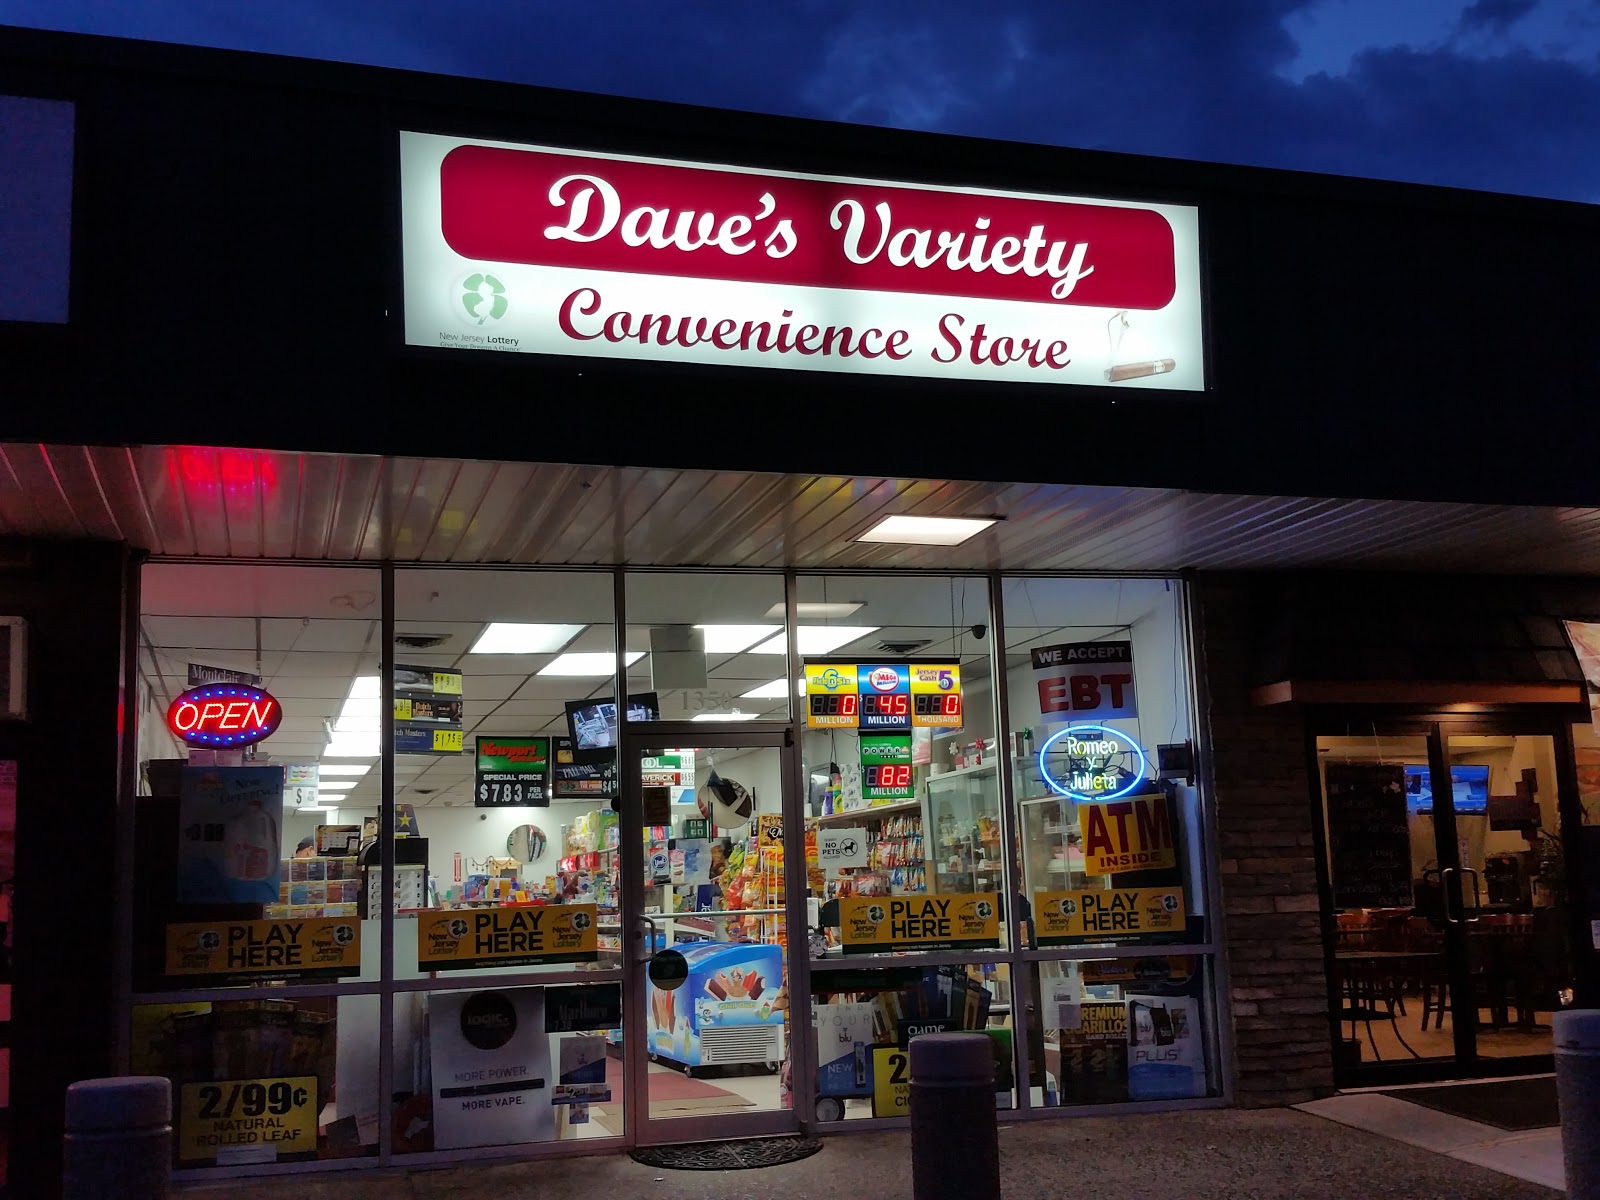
(708, 1039)
(1514, 919)
(1394, 890)
(1449, 947)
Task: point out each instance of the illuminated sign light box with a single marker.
(1091, 762)
(223, 715)
(536, 250)
(883, 697)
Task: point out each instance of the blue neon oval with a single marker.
(1138, 776)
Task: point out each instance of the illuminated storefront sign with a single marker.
(1091, 762)
(883, 697)
(223, 715)
(535, 250)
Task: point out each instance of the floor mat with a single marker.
(728, 1156)
(1506, 1104)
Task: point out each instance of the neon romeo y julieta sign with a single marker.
(528, 249)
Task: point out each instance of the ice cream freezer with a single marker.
(724, 1011)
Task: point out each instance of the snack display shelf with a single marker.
(871, 812)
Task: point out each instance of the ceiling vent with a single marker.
(907, 647)
(421, 641)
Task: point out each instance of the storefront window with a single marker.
(704, 646)
(505, 773)
(507, 1066)
(865, 1019)
(1110, 1031)
(905, 846)
(1097, 691)
(247, 876)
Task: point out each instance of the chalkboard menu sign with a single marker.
(1368, 841)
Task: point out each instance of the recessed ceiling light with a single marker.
(335, 785)
(352, 745)
(774, 690)
(816, 639)
(727, 716)
(326, 769)
(827, 610)
(365, 687)
(510, 637)
(580, 663)
(730, 639)
(926, 531)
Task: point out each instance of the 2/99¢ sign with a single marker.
(248, 1120)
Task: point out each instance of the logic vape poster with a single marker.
(229, 835)
(490, 1066)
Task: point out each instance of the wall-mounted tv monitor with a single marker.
(592, 724)
(1469, 788)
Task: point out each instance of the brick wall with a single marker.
(1272, 928)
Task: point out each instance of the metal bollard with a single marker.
(955, 1140)
(119, 1139)
(1577, 1037)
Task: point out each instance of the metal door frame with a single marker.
(634, 739)
(1437, 727)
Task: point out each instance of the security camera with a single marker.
(980, 631)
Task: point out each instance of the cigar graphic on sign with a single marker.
(1117, 372)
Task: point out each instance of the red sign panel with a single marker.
(223, 715)
(556, 210)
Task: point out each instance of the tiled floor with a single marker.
(1533, 1155)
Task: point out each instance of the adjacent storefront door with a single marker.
(710, 1026)
(1445, 893)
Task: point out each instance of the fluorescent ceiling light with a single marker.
(827, 610)
(335, 785)
(509, 637)
(353, 745)
(326, 769)
(727, 716)
(816, 639)
(589, 664)
(730, 639)
(926, 531)
(774, 690)
(355, 730)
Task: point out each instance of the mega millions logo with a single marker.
(480, 298)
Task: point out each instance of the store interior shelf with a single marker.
(986, 765)
(881, 810)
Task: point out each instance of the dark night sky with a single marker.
(1499, 94)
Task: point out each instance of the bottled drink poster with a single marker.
(229, 823)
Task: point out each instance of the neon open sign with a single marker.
(224, 714)
(1088, 773)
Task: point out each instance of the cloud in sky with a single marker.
(1502, 95)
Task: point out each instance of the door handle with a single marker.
(1477, 896)
(645, 929)
(1444, 888)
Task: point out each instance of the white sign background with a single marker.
(841, 848)
(434, 274)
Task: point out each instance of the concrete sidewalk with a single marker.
(1263, 1154)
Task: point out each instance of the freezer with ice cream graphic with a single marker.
(727, 1011)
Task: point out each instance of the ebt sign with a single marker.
(572, 253)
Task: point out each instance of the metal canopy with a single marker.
(232, 503)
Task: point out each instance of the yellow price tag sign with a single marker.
(891, 1082)
(402, 710)
(447, 683)
(447, 741)
(248, 1120)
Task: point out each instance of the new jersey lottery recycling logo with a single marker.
(481, 298)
